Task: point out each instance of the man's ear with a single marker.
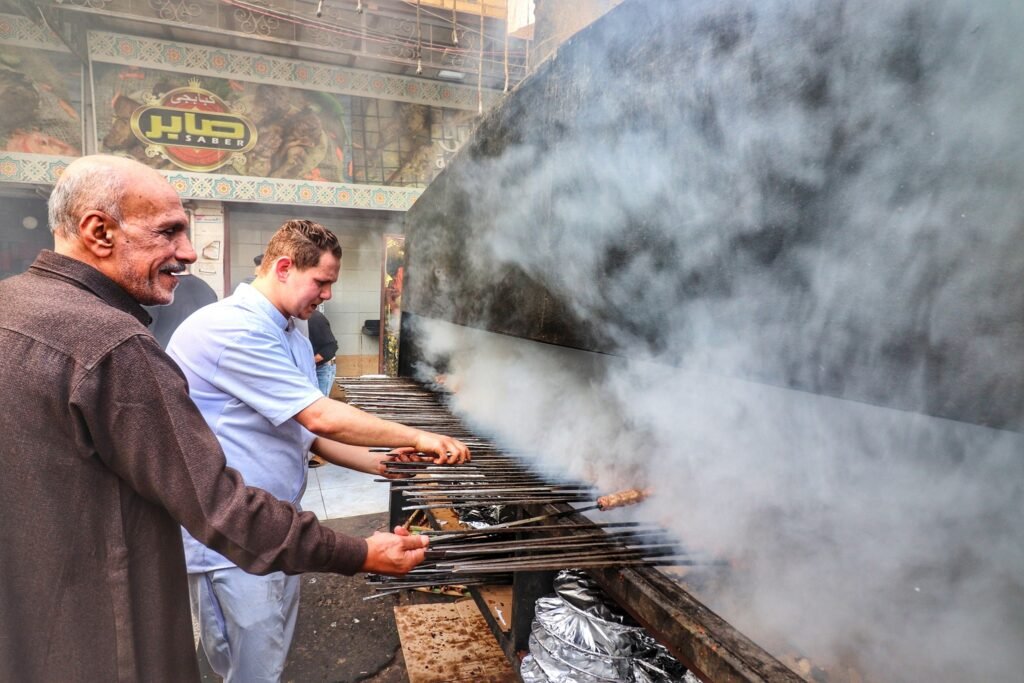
(96, 230)
(282, 267)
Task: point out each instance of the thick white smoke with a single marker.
(827, 189)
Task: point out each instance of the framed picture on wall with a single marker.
(392, 277)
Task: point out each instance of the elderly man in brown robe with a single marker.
(103, 454)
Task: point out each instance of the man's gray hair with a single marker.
(92, 186)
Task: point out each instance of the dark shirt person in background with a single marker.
(191, 294)
(104, 454)
(325, 348)
(256, 260)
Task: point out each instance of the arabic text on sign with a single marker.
(195, 124)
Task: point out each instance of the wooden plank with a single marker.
(499, 602)
(704, 642)
(450, 643)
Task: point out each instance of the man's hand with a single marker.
(394, 554)
(445, 449)
(407, 454)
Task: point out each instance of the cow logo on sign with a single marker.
(194, 129)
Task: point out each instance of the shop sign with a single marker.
(194, 129)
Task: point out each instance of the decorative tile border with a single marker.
(40, 169)
(223, 63)
(17, 30)
(298, 192)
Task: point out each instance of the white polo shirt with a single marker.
(250, 372)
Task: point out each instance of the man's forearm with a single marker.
(339, 421)
(357, 458)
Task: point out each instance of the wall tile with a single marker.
(368, 345)
(246, 235)
(370, 301)
(348, 344)
(344, 323)
(367, 281)
(347, 301)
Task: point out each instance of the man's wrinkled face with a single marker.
(153, 244)
(307, 289)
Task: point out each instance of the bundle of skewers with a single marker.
(489, 479)
(549, 541)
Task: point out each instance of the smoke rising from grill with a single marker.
(796, 226)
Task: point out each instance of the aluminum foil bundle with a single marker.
(489, 515)
(579, 636)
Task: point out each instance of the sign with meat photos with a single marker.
(39, 101)
(176, 121)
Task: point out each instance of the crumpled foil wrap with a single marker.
(579, 636)
(485, 516)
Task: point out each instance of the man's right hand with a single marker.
(394, 554)
(444, 449)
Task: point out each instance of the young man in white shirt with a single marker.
(252, 375)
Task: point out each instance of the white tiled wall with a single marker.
(357, 294)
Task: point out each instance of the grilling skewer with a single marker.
(590, 539)
(479, 503)
(565, 559)
(472, 467)
(553, 565)
(563, 553)
(628, 497)
(443, 482)
(434, 492)
(460, 534)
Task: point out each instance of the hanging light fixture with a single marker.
(455, 23)
(419, 41)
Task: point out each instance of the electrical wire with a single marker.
(389, 39)
(505, 89)
(367, 34)
(480, 70)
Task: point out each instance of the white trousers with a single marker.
(246, 622)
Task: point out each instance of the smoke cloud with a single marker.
(802, 234)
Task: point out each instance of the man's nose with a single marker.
(184, 251)
(326, 293)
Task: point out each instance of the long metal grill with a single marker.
(494, 479)
(550, 534)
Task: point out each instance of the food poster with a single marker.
(40, 101)
(400, 143)
(391, 303)
(176, 121)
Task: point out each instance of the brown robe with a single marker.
(102, 456)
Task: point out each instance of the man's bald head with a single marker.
(97, 182)
(125, 220)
